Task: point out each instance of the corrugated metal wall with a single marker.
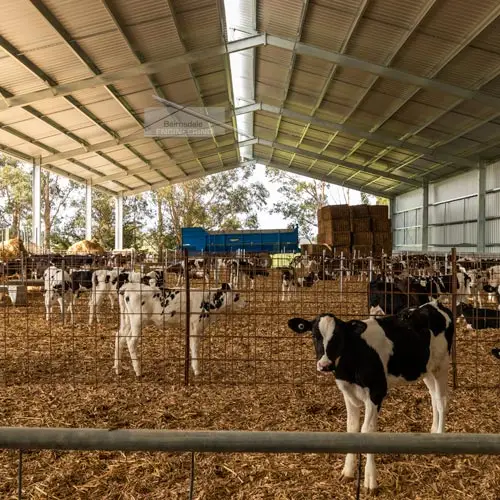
(492, 212)
(453, 214)
(453, 209)
(407, 221)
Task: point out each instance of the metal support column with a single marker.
(425, 216)
(392, 215)
(119, 222)
(36, 200)
(88, 211)
(481, 209)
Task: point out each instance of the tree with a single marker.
(56, 192)
(365, 199)
(15, 194)
(381, 201)
(224, 201)
(300, 200)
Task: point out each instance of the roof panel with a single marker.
(279, 17)
(320, 19)
(374, 41)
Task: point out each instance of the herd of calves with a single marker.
(407, 336)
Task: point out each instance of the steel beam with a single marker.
(119, 222)
(377, 137)
(383, 71)
(334, 161)
(481, 209)
(36, 200)
(401, 43)
(425, 216)
(317, 176)
(197, 175)
(88, 211)
(478, 29)
(140, 170)
(329, 78)
(148, 68)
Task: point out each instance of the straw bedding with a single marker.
(256, 376)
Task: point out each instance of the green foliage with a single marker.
(152, 220)
(300, 200)
(223, 201)
(15, 195)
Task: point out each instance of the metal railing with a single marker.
(37, 438)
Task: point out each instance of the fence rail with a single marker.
(38, 438)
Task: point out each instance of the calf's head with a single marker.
(328, 338)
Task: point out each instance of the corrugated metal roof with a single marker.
(455, 41)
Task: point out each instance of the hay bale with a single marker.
(364, 238)
(378, 211)
(11, 249)
(381, 225)
(332, 212)
(359, 211)
(86, 247)
(342, 239)
(382, 239)
(362, 250)
(341, 225)
(362, 225)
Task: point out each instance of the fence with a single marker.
(24, 439)
(255, 373)
(246, 345)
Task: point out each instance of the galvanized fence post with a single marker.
(454, 314)
(188, 317)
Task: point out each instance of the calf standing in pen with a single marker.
(57, 288)
(104, 284)
(289, 283)
(369, 357)
(141, 305)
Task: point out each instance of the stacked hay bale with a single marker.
(334, 228)
(86, 247)
(381, 225)
(361, 229)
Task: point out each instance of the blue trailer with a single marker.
(198, 240)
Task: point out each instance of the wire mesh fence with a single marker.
(67, 326)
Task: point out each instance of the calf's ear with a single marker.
(299, 325)
(225, 287)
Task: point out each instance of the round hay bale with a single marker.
(86, 247)
(11, 249)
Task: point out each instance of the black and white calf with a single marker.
(243, 269)
(478, 318)
(104, 284)
(197, 268)
(142, 305)
(369, 357)
(57, 288)
(290, 283)
(386, 297)
(81, 281)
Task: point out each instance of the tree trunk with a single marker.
(46, 211)
(160, 229)
(15, 222)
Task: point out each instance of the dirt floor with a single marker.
(256, 375)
